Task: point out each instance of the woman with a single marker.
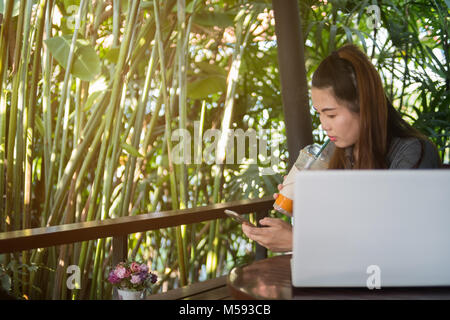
(367, 131)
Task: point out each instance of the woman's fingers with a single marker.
(256, 234)
(276, 235)
(271, 222)
(280, 186)
(251, 231)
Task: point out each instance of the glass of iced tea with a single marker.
(312, 157)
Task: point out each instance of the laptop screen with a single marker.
(363, 228)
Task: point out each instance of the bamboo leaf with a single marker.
(361, 38)
(211, 19)
(190, 7)
(92, 99)
(5, 282)
(86, 64)
(440, 69)
(348, 33)
(211, 68)
(332, 38)
(131, 150)
(39, 124)
(203, 87)
(318, 32)
(113, 55)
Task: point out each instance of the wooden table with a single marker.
(214, 289)
(271, 279)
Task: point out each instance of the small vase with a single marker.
(124, 294)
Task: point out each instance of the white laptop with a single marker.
(371, 228)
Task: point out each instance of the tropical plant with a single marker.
(92, 94)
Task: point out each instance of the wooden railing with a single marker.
(120, 228)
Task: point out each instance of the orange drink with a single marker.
(312, 157)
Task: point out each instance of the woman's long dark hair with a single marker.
(356, 83)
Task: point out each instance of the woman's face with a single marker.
(341, 124)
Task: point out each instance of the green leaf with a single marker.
(204, 86)
(92, 99)
(332, 38)
(131, 150)
(211, 19)
(348, 33)
(86, 63)
(211, 68)
(113, 55)
(361, 38)
(440, 69)
(5, 282)
(39, 124)
(190, 7)
(318, 32)
(124, 5)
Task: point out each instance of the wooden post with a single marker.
(294, 87)
(119, 253)
(120, 249)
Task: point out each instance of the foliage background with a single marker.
(86, 117)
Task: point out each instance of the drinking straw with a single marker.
(322, 148)
(315, 157)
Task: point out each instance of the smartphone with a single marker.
(237, 217)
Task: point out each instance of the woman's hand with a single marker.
(275, 196)
(276, 235)
(280, 186)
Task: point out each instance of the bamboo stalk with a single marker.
(173, 189)
(116, 22)
(111, 110)
(11, 144)
(197, 153)
(242, 25)
(131, 164)
(65, 130)
(46, 101)
(15, 166)
(31, 112)
(97, 283)
(4, 41)
(29, 130)
(64, 94)
(3, 98)
(182, 69)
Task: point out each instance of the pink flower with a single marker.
(113, 278)
(120, 272)
(134, 267)
(144, 268)
(135, 279)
